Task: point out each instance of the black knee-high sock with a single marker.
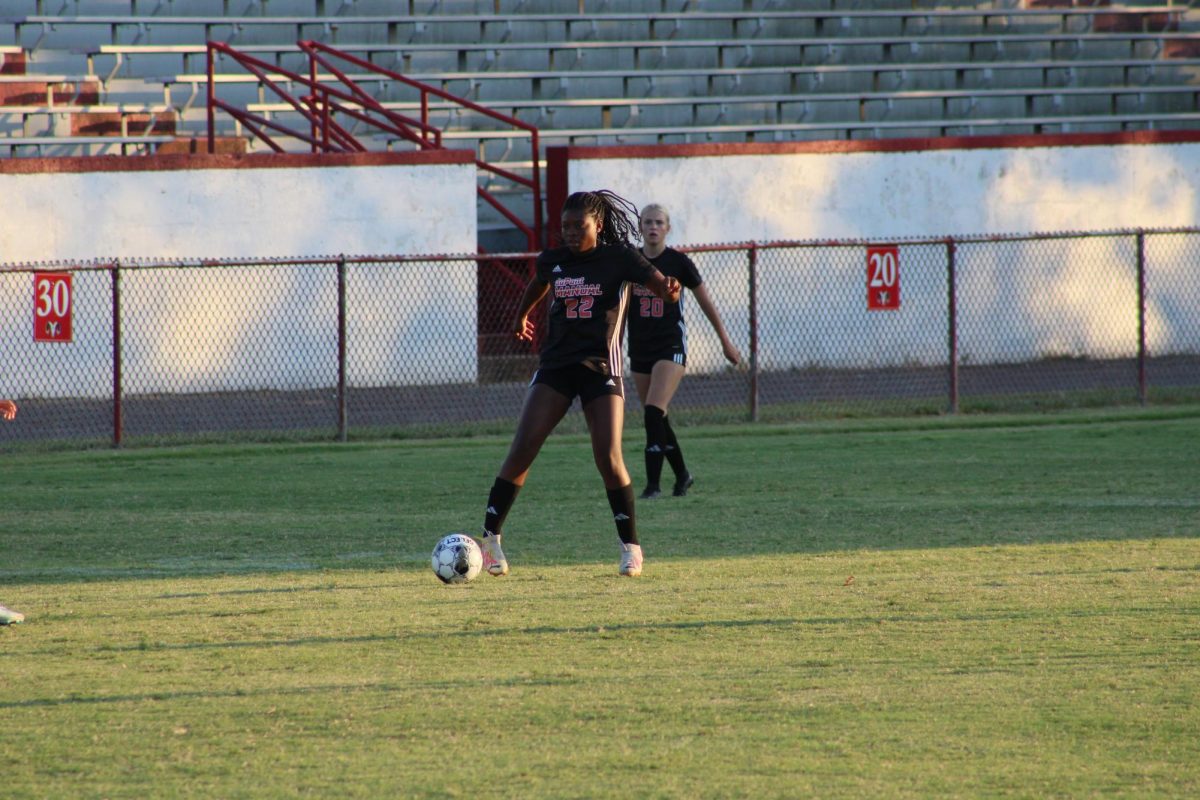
(673, 453)
(500, 500)
(621, 503)
(656, 444)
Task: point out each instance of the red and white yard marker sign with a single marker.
(52, 307)
(883, 278)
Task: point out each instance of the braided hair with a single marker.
(617, 216)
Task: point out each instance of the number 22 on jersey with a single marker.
(579, 307)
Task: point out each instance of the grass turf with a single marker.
(985, 607)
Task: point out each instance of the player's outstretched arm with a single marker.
(710, 310)
(535, 290)
(8, 409)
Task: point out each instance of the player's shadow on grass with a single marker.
(868, 621)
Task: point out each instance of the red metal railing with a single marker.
(323, 101)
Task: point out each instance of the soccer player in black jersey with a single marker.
(589, 282)
(658, 349)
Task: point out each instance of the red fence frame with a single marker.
(951, 244)
(752, 250)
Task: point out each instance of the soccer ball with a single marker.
(457, 558)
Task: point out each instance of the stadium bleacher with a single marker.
(611, 71)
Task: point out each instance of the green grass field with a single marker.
(951, 607)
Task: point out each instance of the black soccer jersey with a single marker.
(589, 297)
(657, 329)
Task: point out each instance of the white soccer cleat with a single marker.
(631, 559)
(10, 617)
(493, 557)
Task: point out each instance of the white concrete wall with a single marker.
(221, 212)
(919, 193)
(208, 329)
(1088, 307)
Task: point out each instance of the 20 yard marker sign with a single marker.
(883, 278)
(52, 301)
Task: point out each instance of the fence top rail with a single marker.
(940, 240)
(110, 264)
(148, 263)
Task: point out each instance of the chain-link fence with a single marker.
(120, 352)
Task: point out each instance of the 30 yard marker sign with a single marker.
(883, 278)
(52, 312)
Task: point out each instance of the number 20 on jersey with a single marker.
(883, 278)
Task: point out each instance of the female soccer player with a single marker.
(581, 356)
(8, 410)
(658, 349)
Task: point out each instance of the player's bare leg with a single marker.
(543, 410)
(605, 418)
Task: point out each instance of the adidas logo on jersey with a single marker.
(556, 269)
(609, 382)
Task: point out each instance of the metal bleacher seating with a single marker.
(618, 71)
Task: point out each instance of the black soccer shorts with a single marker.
(576, 380)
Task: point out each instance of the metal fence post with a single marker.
(212, 92)
(753, 279)
(1141, 314)
(952, 321)
(118, 394)
(341, 345)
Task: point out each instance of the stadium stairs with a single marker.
(98, 76)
